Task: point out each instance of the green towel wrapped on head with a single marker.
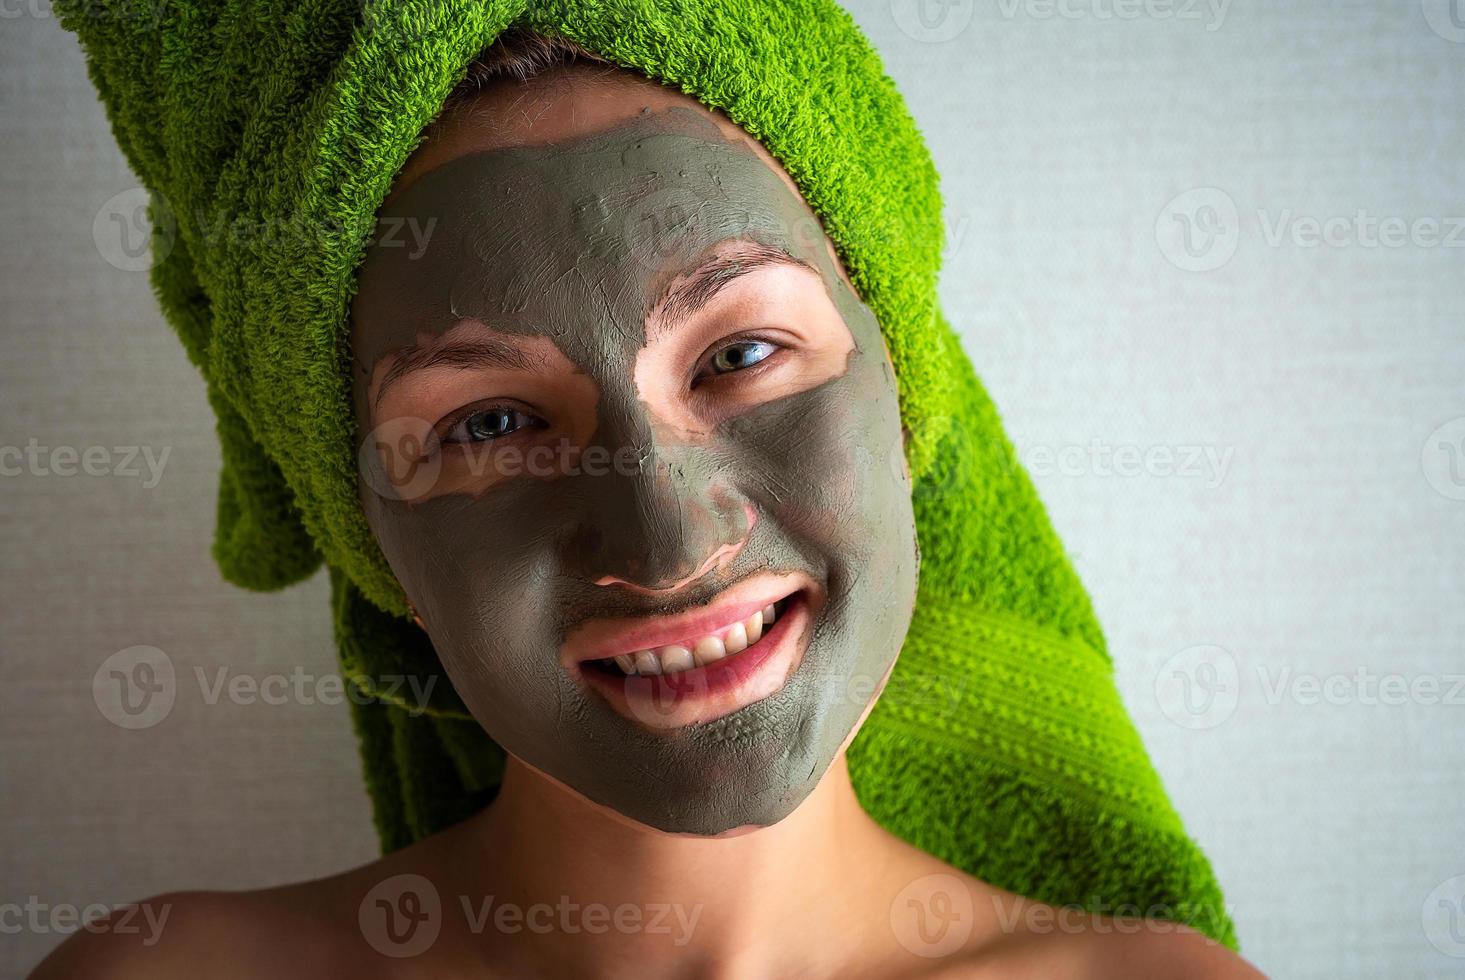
(1000, 744)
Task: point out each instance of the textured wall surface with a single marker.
(1209, 259)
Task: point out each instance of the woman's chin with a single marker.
(588, 807)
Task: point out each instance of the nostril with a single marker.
(752, 517)
(721, 556)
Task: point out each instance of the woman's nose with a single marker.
(663, 523)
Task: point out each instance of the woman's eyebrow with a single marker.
(704, 282)
(487, 352)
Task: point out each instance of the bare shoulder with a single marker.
(125, 943)
(1181, 953)
(1046, 940)
(327, 926)
(308, 929)
(950, 924)
(231, 934)
(1158, 950)
(362, 922)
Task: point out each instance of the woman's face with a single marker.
(617, 398)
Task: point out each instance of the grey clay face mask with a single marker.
(572, 246)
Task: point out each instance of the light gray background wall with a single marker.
(1252, 442)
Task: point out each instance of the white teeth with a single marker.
(707, 650)
(674, 659)
(736, 640)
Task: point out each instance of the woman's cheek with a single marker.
(808, 460)
(475, 568)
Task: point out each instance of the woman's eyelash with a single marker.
(476, 424)
(741, 365)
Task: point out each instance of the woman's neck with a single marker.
(775, 901)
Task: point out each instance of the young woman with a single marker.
(632, 447)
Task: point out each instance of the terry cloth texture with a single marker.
(268, 134)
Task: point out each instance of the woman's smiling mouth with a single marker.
(698, 666)
(677, 657)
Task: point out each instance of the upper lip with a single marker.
(601, 639)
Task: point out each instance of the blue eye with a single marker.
(489, 423)
(734, 357)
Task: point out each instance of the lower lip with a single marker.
(703, 694)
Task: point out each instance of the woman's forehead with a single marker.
(560, 106)
(539, 236)
(563, 104)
